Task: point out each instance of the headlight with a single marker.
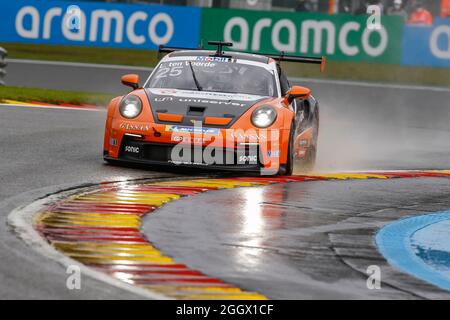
(130, 106)
(264, 116)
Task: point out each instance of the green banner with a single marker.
(338, 37)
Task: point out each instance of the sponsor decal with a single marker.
(134, 126)
(132, 149)
(204, 95)
(274, 154)
(215, 59)
(188, 139)
(163, 99)
(113, 142)
(205, 101)
(217, 102)
(203, 64)
(188, 163)
(248, 159)
(249, 135)
(172, 69)
(198, 130)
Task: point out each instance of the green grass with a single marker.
(354, 71)
(132, 57)
(54, 96)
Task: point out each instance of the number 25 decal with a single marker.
(169, 72)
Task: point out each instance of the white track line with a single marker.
(21, 219)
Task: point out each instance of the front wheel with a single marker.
(288, 168)
(110, 162)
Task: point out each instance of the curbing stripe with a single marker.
(35, 104)
(101, 230)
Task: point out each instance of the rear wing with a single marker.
(301, 59)
(278, 57)
(163, 49)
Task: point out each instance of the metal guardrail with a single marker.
(3, 54)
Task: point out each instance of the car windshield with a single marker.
(208, 74)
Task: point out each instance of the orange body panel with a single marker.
(170, 117)
(275, 138)
(217, 121)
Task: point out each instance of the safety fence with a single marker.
(339, 37)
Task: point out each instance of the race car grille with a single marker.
(165, 153)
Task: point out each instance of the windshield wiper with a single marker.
(199, 88)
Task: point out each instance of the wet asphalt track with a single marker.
(310, 240)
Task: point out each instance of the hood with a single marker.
(195, 105)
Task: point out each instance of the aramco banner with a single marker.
(339, 37)
(99, 24)
(427, 45)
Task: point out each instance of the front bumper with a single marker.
(232, 168)
(150, 153)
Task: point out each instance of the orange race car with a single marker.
(216, 110)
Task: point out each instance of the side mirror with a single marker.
(131, 80)
(298, 92)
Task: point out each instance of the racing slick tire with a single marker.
(307, 163)
(111, 162)
(288, 168)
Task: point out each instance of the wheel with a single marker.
(307, 163)
(288, 168)
(110, 162)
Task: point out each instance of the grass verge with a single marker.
(54, 96)
(131, 57)
(354, 71)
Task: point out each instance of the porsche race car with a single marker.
(215, 109)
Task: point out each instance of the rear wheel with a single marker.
(307, 163)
